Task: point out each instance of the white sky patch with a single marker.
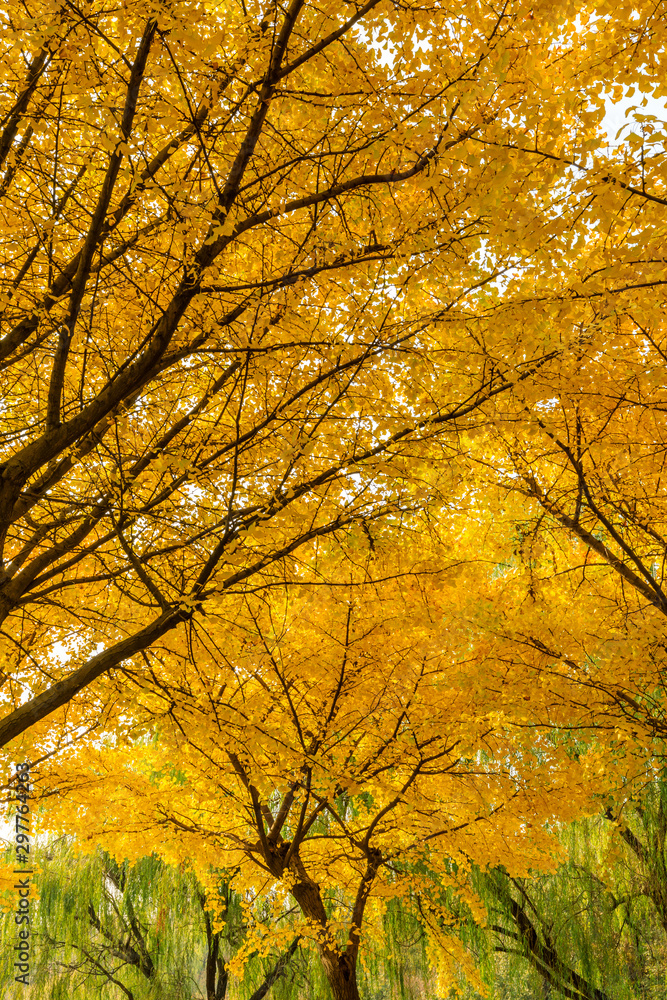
(623, 116)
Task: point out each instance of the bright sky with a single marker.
(618, 114)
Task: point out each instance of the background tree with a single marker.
(103, 929)
(575, 462)
(596, 927)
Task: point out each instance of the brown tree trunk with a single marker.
(340, 967)
(341, 972)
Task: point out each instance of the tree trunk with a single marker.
(340, 967)
(341, 974)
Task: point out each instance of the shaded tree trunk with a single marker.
(340, 967)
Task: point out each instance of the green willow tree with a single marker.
(596, 928)
(145, 931)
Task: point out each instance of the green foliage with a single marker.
(103, 929)
(596, 927)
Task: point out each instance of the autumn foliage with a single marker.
(332, 495)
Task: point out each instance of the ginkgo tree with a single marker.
(255, 261)
(334, 748)
(287, 291)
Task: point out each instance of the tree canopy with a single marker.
(332, 498)
(258, 264)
